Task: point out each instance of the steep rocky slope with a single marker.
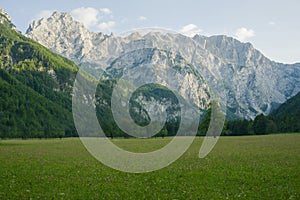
(245, 79)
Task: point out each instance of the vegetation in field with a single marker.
(249, 167)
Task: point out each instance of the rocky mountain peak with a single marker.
(64, 35)
(134, 36)
(62, 21)
(5, 19)
(253, 84)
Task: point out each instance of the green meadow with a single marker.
(248, 167)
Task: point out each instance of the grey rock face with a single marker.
(6, 20)
(245, 79)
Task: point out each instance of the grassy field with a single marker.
(254, 167)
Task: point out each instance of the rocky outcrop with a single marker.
(245, 79)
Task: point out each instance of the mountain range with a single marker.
(247, 81)
(36, 84)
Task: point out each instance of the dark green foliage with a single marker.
(263, 125)
(260, 124)
(35, 89)
(238, 127)
(26, 114)
(291, 106)
(287, 116)
(104, 113)
(204, 124)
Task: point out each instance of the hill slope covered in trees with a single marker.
(287, 116)
(35, 89)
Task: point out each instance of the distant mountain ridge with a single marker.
(253, 84)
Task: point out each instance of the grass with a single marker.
(252, 167)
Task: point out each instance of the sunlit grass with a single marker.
(254, 167)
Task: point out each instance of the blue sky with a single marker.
(273, 27)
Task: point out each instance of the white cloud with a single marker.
(94, 19)
(44, 14)
(243, 33)
(142, 18)
(190, 30)
(88, 16)
(106, 26)
(272, 23)
(105, 11)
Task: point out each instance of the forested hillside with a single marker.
(284, 119)
(35, 89)
(287, 116)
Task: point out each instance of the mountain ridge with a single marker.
(37, 81)
(253, 83)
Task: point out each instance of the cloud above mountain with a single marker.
(190, 30)
(88, 16)
(243, 34)
(94, 19)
